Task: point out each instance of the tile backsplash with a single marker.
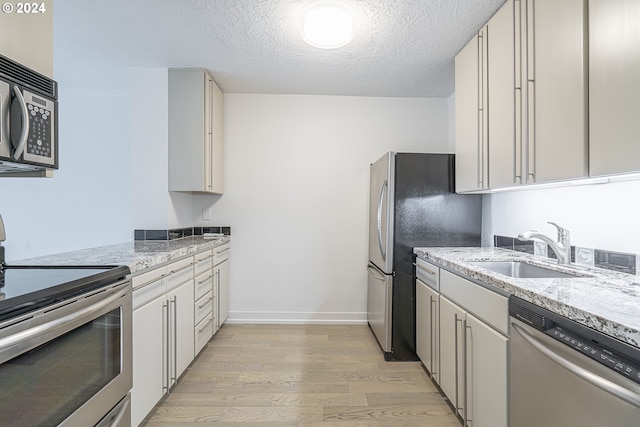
(178, 233)
(610, 260)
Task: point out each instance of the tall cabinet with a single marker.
(196, 132)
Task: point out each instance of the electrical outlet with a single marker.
(540, 249)
(206, 214)
(585, 256)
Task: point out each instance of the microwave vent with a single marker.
(27, 77)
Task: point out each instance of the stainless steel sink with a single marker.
(522, 270)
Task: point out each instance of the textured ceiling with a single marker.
(401, 47)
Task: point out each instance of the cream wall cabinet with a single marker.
(553, 49)
(530, 93)
(473, 350)
(196, 132)
(505, 154)
(471, 116)
(614, 67)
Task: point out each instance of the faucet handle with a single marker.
(563, 233)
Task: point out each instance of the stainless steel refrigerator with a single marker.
(412, 204)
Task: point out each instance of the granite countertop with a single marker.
(606, 301)
(137, 255)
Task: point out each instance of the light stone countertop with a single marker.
(137, 255)
(607, 301)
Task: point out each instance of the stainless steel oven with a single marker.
(65, 346)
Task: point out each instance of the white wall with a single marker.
(153, 206)
(296, 197)
(603, 216)
(86, 203)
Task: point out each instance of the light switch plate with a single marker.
(206, 214)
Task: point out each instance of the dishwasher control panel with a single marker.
(602, 348)
(597, 352)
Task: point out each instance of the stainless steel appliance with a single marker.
(65, 345)
(412, 204)
(28, 120)
(565, 374)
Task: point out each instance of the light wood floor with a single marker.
(301, 376)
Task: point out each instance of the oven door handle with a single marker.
(592, 378)
(80, 316)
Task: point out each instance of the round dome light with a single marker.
(327, 26)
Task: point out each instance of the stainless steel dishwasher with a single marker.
(564, 374)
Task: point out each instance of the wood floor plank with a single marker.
(301, 376)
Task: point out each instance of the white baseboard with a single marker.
(275, 317)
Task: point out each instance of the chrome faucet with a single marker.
(562, 247)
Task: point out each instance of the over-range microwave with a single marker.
(28, 120)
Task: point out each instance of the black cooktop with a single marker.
(26, 288)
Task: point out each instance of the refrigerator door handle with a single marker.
(375, 273)
(383, 251)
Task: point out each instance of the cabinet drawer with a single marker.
(203, 284)
(202, 262)
(203, 332)
(428, 273)
(179, 273)
(147, 277)
(148, 292)
(489, 306)
(203, 306)
(221, 253)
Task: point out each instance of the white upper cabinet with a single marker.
(614, 104)
(530, 97)
(196, 132)
(505, 162)
(472, 172)
(553, 49)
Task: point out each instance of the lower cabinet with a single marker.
(163, 334)
(462, 340)
(473, 351)
(428, 328)
(221, 256)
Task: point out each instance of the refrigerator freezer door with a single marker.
(381, 213)
(379, 291)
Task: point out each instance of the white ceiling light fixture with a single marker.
(327, 26)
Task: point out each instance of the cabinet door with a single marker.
(452, 364)
(556, 90)
(614, 104)
(223, 291)
(216, 132)
(505, 161)
(486, 352)
(427, 328)
(149, 358)
(181, 325)
(471, 142)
